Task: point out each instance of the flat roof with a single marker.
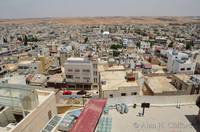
(156, 119)
(89, 117)
(38, 78)
(15, 79)
(115, 80)
(159, 84)
(183, 77)
(25, 62)
(57, 78)
(163, 114)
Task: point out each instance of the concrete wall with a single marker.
(37, 119)
(156, 100)
(6, 117)
(129, 91)
(181, 86)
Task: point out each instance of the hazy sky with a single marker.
(76, 8)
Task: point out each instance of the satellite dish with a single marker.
(198, 102)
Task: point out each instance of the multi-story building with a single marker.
(161, 40)
(197, 44)
(81, 73)
(180, 63)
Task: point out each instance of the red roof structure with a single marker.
(89, 117)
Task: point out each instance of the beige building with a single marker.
(184, 83)
(81, 73)
(114, 83)
(26, 109)
(159, 85)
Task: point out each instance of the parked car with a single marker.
(82, 92)
(66, 92)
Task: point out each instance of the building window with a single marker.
(49, 115)
(86, 78)
(77, 77)
(182, 69)
(133, 93)
(77, 70)
(95, 80)
(189, 69)
(95, 66)
(69, 76)
(180, 88)
(69, 70)
(86, 70)
(95, 73)
(123, 94)
(111, 95)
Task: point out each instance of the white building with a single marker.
(26, 67)
(145, 45)
(180, 63)
(33, 107)
(161, 40)
(81, 73)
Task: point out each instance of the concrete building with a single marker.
(115, 84)
(196, 44)
(81, 73)
(159, 85)
(26, 67)
(197, 70)
(180, 63)
(161, 40)
(26, 109)
(186, 84)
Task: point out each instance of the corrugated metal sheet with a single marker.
(90, 115)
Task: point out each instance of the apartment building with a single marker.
(197, 44)
(180, 63)
(81, 73)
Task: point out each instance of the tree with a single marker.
(86, 40)
(116, 53)
(138, 44)
(25, 40)
(188, 46)
(115, 46)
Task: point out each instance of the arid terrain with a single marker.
(104, 20)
